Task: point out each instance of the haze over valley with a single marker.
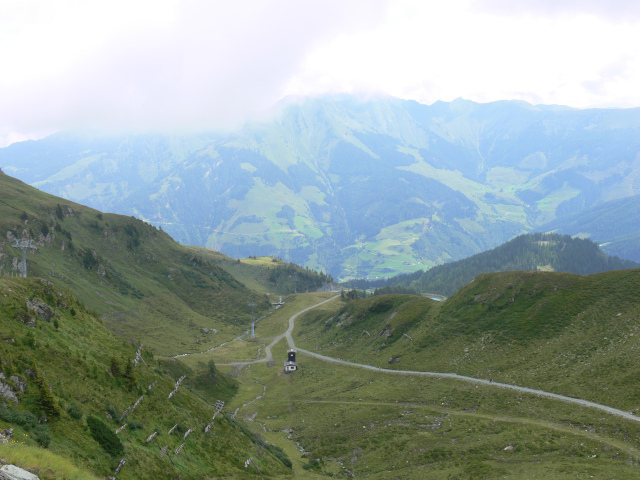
(358, 188)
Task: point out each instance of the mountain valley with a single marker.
(356, 188)
(123, 341)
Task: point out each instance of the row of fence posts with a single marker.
(164, 451)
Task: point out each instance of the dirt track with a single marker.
(532, 391)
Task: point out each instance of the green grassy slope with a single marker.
(66, 361)
(569, 334)
(143, 284)
(343, 421)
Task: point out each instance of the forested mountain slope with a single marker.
(539, 251)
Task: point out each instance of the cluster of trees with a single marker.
(291, 277)
(128, 375)
(395, 289)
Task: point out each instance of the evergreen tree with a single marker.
(115, 367)
(46, 400)
(129, 375)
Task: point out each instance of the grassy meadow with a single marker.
(347, 421)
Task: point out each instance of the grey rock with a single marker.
(41, 309)
(20, 384)
(7, 392)
(11, 472)
(28, 320)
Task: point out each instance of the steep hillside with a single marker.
(143, 284)
(615, 225)
(570, 334)
(68, 384)
(545, 252)
(269, 275)
(356, 189)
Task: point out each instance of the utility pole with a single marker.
(24, 244)
(253, 328)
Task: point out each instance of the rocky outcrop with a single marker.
(7, 392)
(6, 435)
(25, 318)
(40, 309)
(20, 384)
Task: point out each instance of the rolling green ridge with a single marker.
(570, 334)
(338, 420)
(143, 284)
(540, 251)
(73, 370)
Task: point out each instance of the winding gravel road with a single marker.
(532, 391)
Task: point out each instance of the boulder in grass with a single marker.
(41, 309)
(11, 472)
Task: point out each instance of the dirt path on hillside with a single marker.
(540, 393)
(287, 334)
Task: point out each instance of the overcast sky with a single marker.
(167, 64)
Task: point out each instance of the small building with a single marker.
(290, 364)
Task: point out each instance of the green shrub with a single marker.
(114, 365)
(111, 410)
(279, 454)
(105, 436)
(42, 434)
(13, 415)
(74, 411)
(135, 425)
(313, 465)
(129, 375)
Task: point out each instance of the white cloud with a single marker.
(163, 64)
(616, 10)
(432, 51)
(208, 64)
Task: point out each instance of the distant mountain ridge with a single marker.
(354, 188)
(538, 251)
